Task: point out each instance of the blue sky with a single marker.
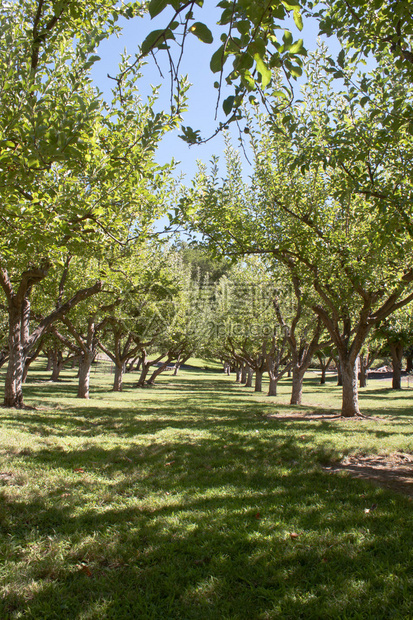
(202, 94)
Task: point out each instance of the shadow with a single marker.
(188, 501)
(218, 531)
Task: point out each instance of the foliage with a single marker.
(251, 36)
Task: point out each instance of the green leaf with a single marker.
(263, 70)
(287, 38)
(340, 59)
(298, 20)
(228, 104)
(296, 47)
(202, 32)
(296, 71)
(155, 39)
(217, 60)
(156, 7)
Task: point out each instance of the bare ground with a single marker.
(393, 471)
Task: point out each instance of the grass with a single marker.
(189, 501)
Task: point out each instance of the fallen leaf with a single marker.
(258, 516)
(170, 463)
(294, 535)
(79, 470)
(86, 570)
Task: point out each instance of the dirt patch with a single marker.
(314, 415)
(393, 471)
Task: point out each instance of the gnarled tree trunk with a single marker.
(297, 387)
(349, 370)
(118, 378)
(85, 365)
(258, 380)
(13, 389)
(250, 373)
(396, 352)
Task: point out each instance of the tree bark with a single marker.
(349, 370)
(323, 366)
(297, 387)
(339, 373)
(29, 360)
(177, 366)
(118, 379)
(145, 365)
(85, 365)
(248, 382)
(57, 361)
(272, 390)
(363, 371)
(13, 389)
(50, 354)
(258, 380)
(396, 352)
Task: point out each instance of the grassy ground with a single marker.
(187, 501)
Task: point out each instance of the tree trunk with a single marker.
(244, 371)
(57, 365)
(258, 380)
(130, 366)
(144, 372)
(238, 374)
(339, 373)
(13, 389)
(349, 372)
(159, 370)
(50, 354)
(248, 382)
(118, 379)
(297, 387)
(409, 363)
(396, 352)
(272, 390)
(84, 374)
(30, 359)
(324, 366)
(177, 366)
(363, 371)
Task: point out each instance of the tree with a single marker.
(76, 173)
(396, 331)
(311, 219)
(302, 331)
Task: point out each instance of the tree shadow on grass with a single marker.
(194, 507)
(202, 530)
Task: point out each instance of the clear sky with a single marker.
(202, 94)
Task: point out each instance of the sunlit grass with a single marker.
(190, 500)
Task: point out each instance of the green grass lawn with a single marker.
(189, 501)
